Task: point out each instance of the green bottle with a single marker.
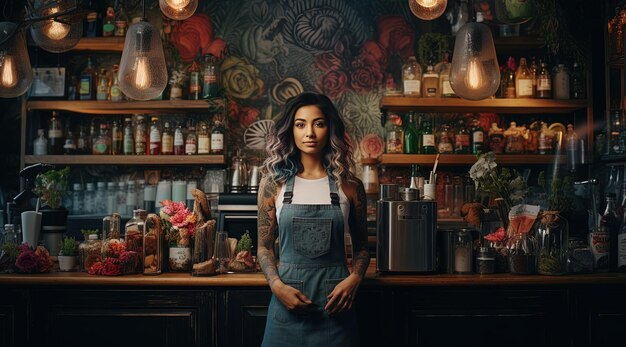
(462, 141)
(410, 136)
(478, 137)
(428, 139)
(418, 131)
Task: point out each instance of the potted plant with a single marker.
(50, 187)
(67, 255)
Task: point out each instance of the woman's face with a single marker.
(310, 130)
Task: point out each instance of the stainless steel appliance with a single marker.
(237, 212)
(406, 235)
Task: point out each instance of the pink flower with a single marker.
(194, 36)
(373, 53)
(179, 219)
(497, 236)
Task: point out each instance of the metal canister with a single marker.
(388, 192)
(409, 194)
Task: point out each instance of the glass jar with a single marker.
(110, 234)
(152, 245)
(369, 176)
(394, 138)
(412, 78)
(89, 252)
(485, 260)
(552, 235)
(133, 238)
(463, 251)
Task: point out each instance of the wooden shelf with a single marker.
(125, 159)
(402, 103)
(122, 107)
(100, 44)
(468, 159)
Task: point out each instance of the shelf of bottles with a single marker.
(119, 107)
(469, 159)
(209, 159)
(496, 105)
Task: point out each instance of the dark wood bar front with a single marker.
(72, 309)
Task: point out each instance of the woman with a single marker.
(307, 199)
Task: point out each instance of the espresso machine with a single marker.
(406, 230)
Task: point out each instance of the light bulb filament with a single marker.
(142, 73)
(426, 3)
(56, 30)
(475, 74)
(179, 5)
(9, 72)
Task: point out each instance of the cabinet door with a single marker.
(600, 316)
(242, 315)
(120, 318)
(13, 321)
(483, 317)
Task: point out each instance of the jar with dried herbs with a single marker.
(89, 252)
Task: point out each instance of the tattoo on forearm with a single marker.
(358, 231)
(267, 230)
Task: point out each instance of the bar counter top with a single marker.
(257, 279)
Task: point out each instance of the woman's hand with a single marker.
(293, 299)
(342, 296)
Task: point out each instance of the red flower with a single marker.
(195, 35)
(497, 236)
(373, 53)
(111, 267)
(333, 83)
(247, 115)
(44, 261)
(95, 269)
(117, 248)
(371, 146)
(328, 62)
(366, 78)
(27, 262)
(395, 35)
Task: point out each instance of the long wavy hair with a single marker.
(283, 157)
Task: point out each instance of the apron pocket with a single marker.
(281, 313)
(311, 236)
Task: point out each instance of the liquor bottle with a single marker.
(195, 88)
(217, 137)
(116, 92)
(561, 83)
(444, 77)
(102, 92)
(412, 78)
(93, 134)
(102, 143)
(155, 136)
(204, 139)
(40, 145)
(523, 81)
(410, 135)
(167, 140)
(179, 140)
(546, 138)
(88, 82)
(430, 85)
(477, 135)
(140, 136)
(544, 83)
(444, 144)
(209, 78)
(577, 83)
(417, 180)
(117, 138)
(82, 141)
(571, 147)
(599, 239)
(394, 137)
(509, 78)
(191, 141)
(55, 135)
(69, 147)
(121, 21)
(533, 75)
(462, 142)
(428, 139)
(108, 24)
(128, 146)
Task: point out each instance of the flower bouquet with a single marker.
(243, 259)
(24, 259)
(179, 224)
(116, 260)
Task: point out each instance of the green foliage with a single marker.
(431, 47)
(50, 186)
(245, 243)
(10, 249)
(87, 232)
(69, 246)
(560, 196)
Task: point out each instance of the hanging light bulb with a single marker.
(56, 35)
(428, 9)
(475, 73)
(16, 74)
(178, 9)
(142, 73)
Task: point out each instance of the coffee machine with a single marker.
(406, 232)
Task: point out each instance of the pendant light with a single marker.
(16, 74)
(428, 9)
(142, 74)
(55, 34)
(475, 73)
(178, 9)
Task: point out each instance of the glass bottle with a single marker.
(546, 139)
(394, 135)
(561, 82)
(457, 183)
(552, 241)
(195, 88)
(463, 251)
(9, 234)
(533, 75)
(140, 136)
(131, 196)
(448, 196)
(128, 140)
(89, 252)
(577, 83)
(102, 144)
(133, 238)
(509, 78)
(217, 137)
(496, 139)
(141, 185)
(444, 144)
(69, 147)
(412, 78)
(485, 260)
(82, 141)
(78, 199)
(108, 23)
(410, 136)
(462, 142)
(121, 199)
(117, 138)
(102, 92)
(428, 139)
(111, 233)
(55, 135)
(111, 198)
(599, 239)
(204, 141)
(100, 198)
(116, 92)
(513, 139)
(477, 135)
(430, 85)
(544, 83)
(40, 145)
(88, 78)
(155, 136)
(179, 141)
(417, 180)
(444, 77)
(571, 147)
(90, 199)
(209, 78)
(167, 140)
(93, 134)
(152, 245)
(121, 21)
(523, 81)
(191, 141)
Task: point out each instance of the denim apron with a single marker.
(312, 260)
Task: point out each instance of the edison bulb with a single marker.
(475, 76)
(142, 73)
(56, 30)
(8, 78)
(427, 3)
(177, 5)
(427, 9)
(178, 9)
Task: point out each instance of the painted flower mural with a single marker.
(395, 34)
(195, 36)
(240, 78)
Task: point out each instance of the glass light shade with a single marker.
(428, 9)
(142, 74)
(475, 73)
(178, 9)
(16, 74)
(58, 35)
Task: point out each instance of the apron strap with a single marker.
(289, 190)
(332, 185)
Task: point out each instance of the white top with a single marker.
(313, 192)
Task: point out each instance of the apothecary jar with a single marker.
(552, 233)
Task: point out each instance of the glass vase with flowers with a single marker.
(179, 225)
